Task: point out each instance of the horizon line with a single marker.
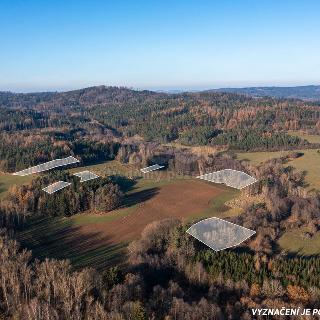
(167, 89)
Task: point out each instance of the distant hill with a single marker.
(299, 92)
(92, 96)
(104, 95)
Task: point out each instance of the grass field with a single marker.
(7, 180)
(309, 137)
(108, 168)
(260, 156)
(295, 242)
(101, 240)
(60, 238)
(309, 162)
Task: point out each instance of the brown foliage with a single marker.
(297, 293)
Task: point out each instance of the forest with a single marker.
(17, 155)
(100, 113)
(168, 276)
(26, 201)
(166, 273)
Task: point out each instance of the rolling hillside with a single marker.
(299, 92)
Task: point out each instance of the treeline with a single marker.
(229, 282)
(179, 161)
(12, 120)
(16, 155)
(200, 135)
(22, 202)
(189, 118)
(257, 271)
(169, 275)
(242, 139)
(258, 140)
(93, 152)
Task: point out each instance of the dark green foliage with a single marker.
(15, 157)
(198, 136)
(242, 266)
(112, 276)
(232, 264)
(12, 120)
(257, 140)
(125, 184)
(300, 271)
(93, 152)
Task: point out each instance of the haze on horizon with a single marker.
(62, 45)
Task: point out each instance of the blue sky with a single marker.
(58, 45)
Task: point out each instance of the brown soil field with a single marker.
(180, 200)
(100, 241)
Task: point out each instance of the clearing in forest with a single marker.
(300, 242)
(309, 162)
(100, 240)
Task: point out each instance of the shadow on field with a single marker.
(125, 184)
(58, 238)
(294, 254)
(140, 196)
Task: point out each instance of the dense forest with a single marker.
(22, 153)
(117, 114)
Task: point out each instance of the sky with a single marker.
(164, 44)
